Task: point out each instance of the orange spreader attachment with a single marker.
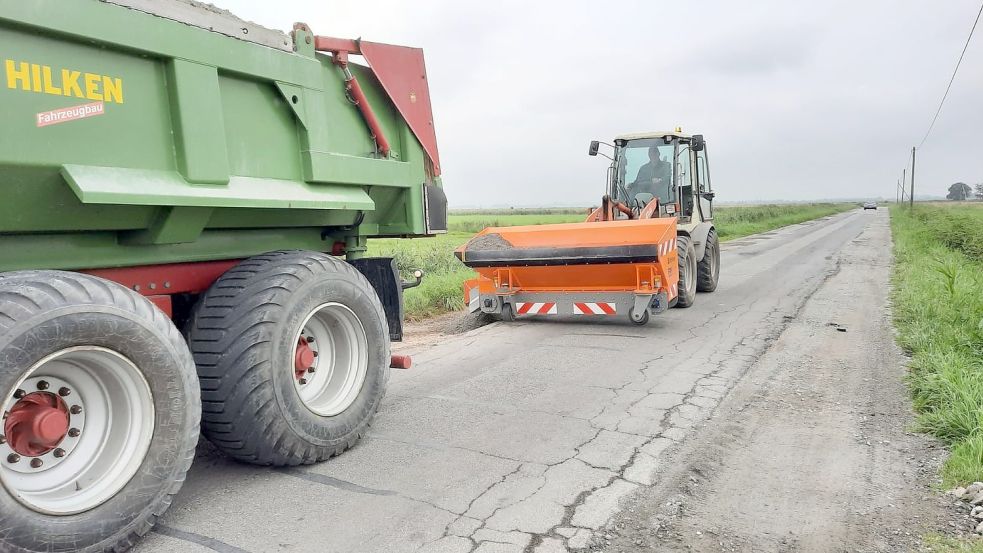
(628, 256)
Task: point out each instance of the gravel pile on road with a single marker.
(973, 496)
(463, 322)
(417, 334)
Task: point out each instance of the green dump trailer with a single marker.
(185, 201)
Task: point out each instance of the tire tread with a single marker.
(684, 298)
(706, 280)
(223, 332)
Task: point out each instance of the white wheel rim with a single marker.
(111, 425)
(335, 377)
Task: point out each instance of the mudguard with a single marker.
(383, 274)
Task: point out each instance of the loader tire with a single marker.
(293, 356)
(686, 293)
(97, 387)
(708, 269)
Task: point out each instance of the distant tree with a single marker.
(959, 191)
(979, 191)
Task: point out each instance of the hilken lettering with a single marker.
(35, 77)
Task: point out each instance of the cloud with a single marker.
(797, 101)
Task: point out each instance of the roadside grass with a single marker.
(938, 310)
(442, 288)
(443, 283)
(732, 221)
(737, 221)
(936, 543)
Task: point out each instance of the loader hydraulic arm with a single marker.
(607, 210)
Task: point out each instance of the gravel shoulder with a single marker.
(811, 450)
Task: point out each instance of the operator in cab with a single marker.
(653, 177)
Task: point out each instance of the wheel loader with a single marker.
(648, 246)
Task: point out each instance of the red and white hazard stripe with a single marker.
(675, 288)
(535, 308)
(594, 308)
(666, 247)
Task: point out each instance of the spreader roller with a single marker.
(581, 255)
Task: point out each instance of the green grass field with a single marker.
(938, 309)
(737, 221)
(442, 288)
(472, 223)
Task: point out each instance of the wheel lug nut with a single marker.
(310, 339)
(3, 439)
(59, 453)
(314, 353)
(13, 458)
(310, 370)
(303, 381)
(74, 432)
(64, 392)
(36, 463)
(76, 409)
(19, 394)
(43, 385)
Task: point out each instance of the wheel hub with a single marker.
(42, 427)
(36, 424)
(305, 358)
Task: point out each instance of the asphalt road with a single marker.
(531, 435)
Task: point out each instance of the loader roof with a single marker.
(650, 134)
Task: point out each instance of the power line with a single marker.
(956, 70)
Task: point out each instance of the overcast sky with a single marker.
(797, 100)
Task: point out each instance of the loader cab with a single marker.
(669, 166)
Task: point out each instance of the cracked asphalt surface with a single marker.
(535, 435)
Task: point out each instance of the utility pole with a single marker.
(911, 199)
(904, 177)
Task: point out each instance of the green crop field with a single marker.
(472, 223)
(442, 288)
(737, 221)
(938, 309)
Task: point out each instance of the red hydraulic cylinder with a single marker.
(351, 83)
(341, 48)
(402, 73)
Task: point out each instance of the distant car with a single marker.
(870, 205)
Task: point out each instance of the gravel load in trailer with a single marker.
(186, 200)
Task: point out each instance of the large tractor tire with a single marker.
(687, 272)
(708, 269)
(293, 356)
(101, 413)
